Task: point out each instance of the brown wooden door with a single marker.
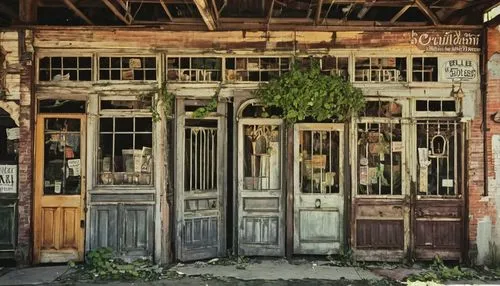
(59, 188)
(380, 209)
(319, 188)
(439, 204)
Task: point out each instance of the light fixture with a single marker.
(459, 93)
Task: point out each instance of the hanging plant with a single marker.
(307, 93)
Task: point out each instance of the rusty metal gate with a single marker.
(439, 204)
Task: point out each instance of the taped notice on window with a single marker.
(12, 133)
(74, 167)
(8, 179)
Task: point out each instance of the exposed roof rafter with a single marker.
(116, 12)
(165, 8)
(427, 11)
(400, 13)
(206, 14)
(77, 11)
(318, 12)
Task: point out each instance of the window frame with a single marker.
(157, 68)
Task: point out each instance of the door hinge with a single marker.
(82, 223)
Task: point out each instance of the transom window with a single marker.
(425, 69)
(194, 69)
(127, 68)
(329, 65)
(375, 69)
(256, 69)
(65, 69)
(125, 154)
(436, 105)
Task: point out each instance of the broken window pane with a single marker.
(127, 68)
(65, 69)
(125, 151)
(425, 69)
(197, 69)
(388, 69)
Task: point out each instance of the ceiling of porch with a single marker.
(246, 14)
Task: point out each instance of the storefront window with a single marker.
(371, 69)
(127, 68)
(380, 153)
(125, 154)
(65, 69)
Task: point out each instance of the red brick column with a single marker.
(25, 192)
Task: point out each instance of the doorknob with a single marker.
(317, 203)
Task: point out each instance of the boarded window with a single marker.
(125, 151)
(255, 69)
(387, 69)
(425, 69)
(194, 69)
(380, 155)
(65, 69)
(127, 68)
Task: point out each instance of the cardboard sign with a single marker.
(8, 179)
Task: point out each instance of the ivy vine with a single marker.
(306, 93)
(164, 103)
(203, 111)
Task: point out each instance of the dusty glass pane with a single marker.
(62, 162)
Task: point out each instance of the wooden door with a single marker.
(59, 188)
(319, 188)
(439, 204)
(261, 224)
(200, 188)
(380, 190)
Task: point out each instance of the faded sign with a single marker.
(446, 41)
(8, 179)
(460, 70)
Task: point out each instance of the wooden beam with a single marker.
(388, 3)
(270, 13)
(115, 11)
(165, 8)
(427, 11)
(318, 12)
(77, 11)
(206, 14)
(28, 11)
(400, 13)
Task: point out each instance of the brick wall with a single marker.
(483, 209)
(25, 196)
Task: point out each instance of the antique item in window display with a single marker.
(62, 165)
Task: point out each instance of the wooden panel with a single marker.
(101, 198)
(138, 227)
(69, 228)
(49, 228)
(104, 225)
(438, 234)
(261, 204)
(7, 226)
(261, 230)
(200, 232)
(319, 226)
(381, 211)
(380, 234)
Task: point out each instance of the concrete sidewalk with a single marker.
(264, 270)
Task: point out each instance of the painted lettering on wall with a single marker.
(446, 41)
(460, 70)
(8, 178)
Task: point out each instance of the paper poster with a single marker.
(57, 187)
(8, 179)
(397, 146)
(423, 157)
(422, 180)
(74, 167)
(363, 175)
(12, 133)
(447, 183)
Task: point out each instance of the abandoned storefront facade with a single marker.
(111, 169)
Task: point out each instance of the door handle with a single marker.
(317, 203)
